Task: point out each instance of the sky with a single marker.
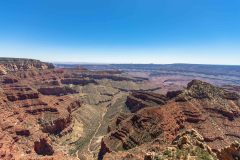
(122, 31)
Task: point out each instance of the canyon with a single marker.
(52, 111)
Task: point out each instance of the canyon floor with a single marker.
(55, 112)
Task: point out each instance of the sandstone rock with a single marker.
(205, 108)
(187, 145)
(22, 96)
(17, 64)
(172, 94)
(42, 147)
(3, 70)
(9, 80)
(231, 152)
(200, 89)
(54, 123)
(23, 132)
(138, 130)
(139, 100)
(77, 81)
(38, 110)
(107, 76)
(57, 91)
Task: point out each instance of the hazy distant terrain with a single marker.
(219, 74)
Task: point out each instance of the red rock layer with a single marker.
(212, 111)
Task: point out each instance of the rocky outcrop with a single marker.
(22, 96)
(22, 132)
(139, 100)
(18, 64)
(200, 90)
(77, 81)
(206, 92)
(42, 147)
(38, 110)
(172, 94)
(54, 123)
(53, 83)
(138, 129)
(20, 92)
(108, 76)
(231, 152)
(57, 91)
(187, 145)
(212, 111)
(9, 80)
(3, 70)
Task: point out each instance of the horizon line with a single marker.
(102, 63)
(119, 63)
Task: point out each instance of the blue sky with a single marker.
(122, 31)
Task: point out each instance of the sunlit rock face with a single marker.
(18, 64)
(202, 106)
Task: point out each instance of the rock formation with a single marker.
(52, 113)
(231, 152)
(212, 111)
(17, 64)
(42, 147)
(186, 145)
(57, 91)
(139, 100)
